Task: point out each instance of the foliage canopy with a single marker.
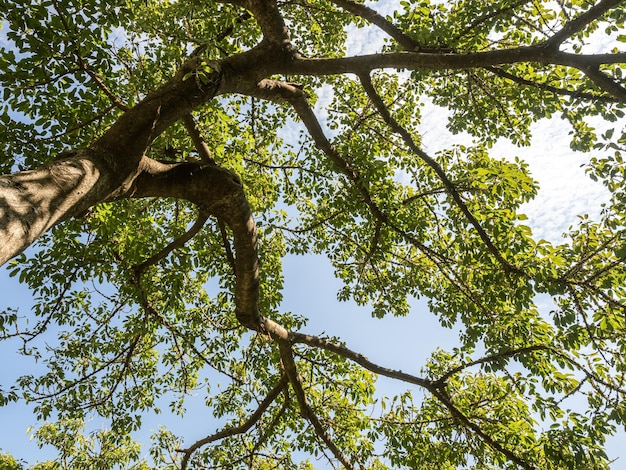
(151, 147)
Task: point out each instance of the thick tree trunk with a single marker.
(33, 201)
(114, 167)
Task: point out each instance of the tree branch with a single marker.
(491, 358)
(604, 82)
(201, 146)
(286, 355)
(395, 126)
(371, 15)
(363, 64)
(281, 335)
(552, 89)
(358, 358)
(445, 400)
(203, 216)
(233, 430)
(580, 22)
(220, 191)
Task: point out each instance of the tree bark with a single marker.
(33, 201)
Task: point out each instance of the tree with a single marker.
(148, 146)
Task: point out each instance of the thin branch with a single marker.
(578, 266)
(270, 427)
(314, 225)
(83, 378)
(227, 248)
(179, 242)
(115, 100)
(488, 16)
(286, 355)
(98, 116)
(234, 430)
(552, 89)
(366, 81)
(83, 65)
(581, 22)
(358, 358)
(491, 358)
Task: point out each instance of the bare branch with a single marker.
(220, 191)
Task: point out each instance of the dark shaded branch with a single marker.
(580, 22)
(233, 430)
(269, 19)
(220, 191)
(606, 83)
(362, 64)
(366, 81)
(198, 141)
